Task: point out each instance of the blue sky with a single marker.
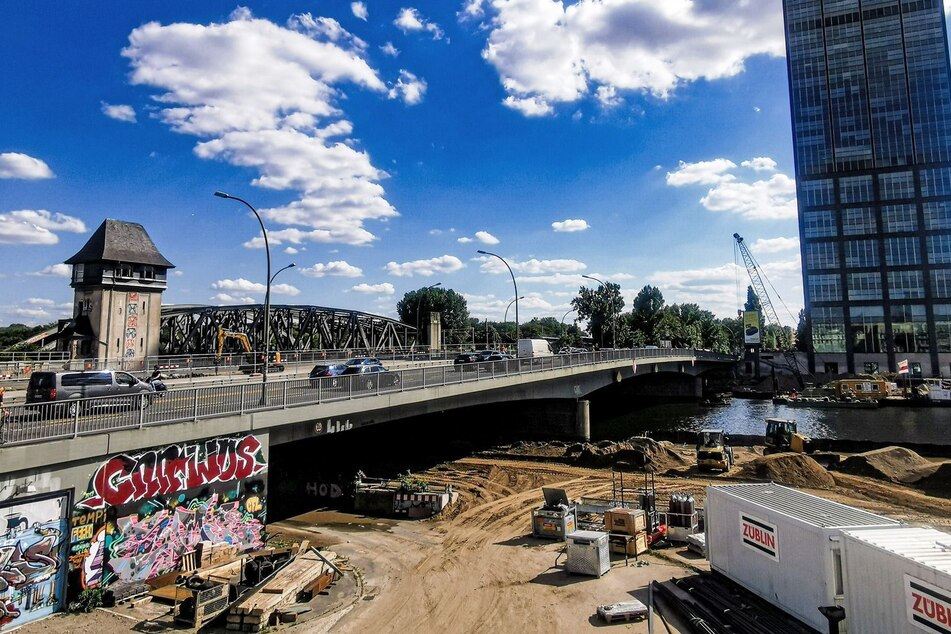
(385, 143)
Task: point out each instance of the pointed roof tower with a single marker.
(120, 241)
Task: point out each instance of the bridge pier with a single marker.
(555, 419)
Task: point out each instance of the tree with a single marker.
(804, 332)
(15, 333)
(646, 312)
(752, 301)
(454, 312)
(600, 307)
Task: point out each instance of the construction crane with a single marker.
(760, 289)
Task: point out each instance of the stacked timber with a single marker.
(256, 611)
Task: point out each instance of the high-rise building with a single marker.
(870, 90)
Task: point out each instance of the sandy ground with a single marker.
(476, 568)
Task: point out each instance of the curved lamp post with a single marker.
(419, 303)
(267, 293)
(506, 318)
(613, 317)
(570, 310)
(514, 283)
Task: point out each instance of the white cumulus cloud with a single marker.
(760, 164)
(486, 238)
(338, 268)
(36, 226)
(774, 245)
(425, 268)
(119, 112)
(55, 270)
(385, 288)
(242, 285)
(225, 298)
(701, 173)
(411, 20)
(559, 51)
(268, 97)
(531, 267)
(23, 166)
(409, 88)
(359, 9)
(570, 224)
(771, 199)
(390, 50)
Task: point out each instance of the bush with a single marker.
(410, 483)
(87, 601)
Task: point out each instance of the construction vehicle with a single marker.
(783, 435)
(712, 451)
(759, 287)
(253, 362)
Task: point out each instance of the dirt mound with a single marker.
(895, 464)
(638, 451)
(789, 468)
(938, 483)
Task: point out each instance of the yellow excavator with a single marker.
(783, 435)
(252, 362)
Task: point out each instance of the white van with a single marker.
(528, 348)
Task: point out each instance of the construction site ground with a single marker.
(476, 568)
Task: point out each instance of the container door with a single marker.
(33, 564)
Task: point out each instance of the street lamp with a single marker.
(570, 310)
(506, 318)
(613, 316)
(495, 255)
(419, 303)
(267, 293)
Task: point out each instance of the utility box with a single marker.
(782, 544)
(897, 581)
(626, 521)
(588, 553)
(557, 518)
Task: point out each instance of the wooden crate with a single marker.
(625, 521)
(628, 544)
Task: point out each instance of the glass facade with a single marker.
(870, 91)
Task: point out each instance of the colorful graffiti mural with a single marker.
(143, 512)
(32, 559)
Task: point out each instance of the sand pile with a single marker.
(789, 468)
(637, 451)
(939, 482)
(895, 464)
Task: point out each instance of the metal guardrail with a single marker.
(32, 423)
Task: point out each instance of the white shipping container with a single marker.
(897, 581)
(782, 544)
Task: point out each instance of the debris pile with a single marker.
(637, 451)
(792, 469)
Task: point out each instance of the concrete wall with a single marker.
(133, 513)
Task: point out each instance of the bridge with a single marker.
(74, 436)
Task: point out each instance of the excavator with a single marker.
(253, 362)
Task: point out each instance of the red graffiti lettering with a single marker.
(175, 468)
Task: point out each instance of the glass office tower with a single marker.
(870, 91)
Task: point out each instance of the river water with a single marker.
(741, 416)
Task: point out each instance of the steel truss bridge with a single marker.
(193, 329)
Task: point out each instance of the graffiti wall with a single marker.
(32, 558)
(142, 512)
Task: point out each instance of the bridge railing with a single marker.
(25, 424)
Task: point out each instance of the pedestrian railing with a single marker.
(36, 422)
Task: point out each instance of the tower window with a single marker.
(124, 270)
(148, 273)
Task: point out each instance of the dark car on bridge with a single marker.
(325, 369)
(358, 361)
(369, 377)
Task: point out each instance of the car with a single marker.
(357, 361)
(485, 354)
(571, 350)
(326, 369)
(68, 387)
(368, 377)
(467, 357)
